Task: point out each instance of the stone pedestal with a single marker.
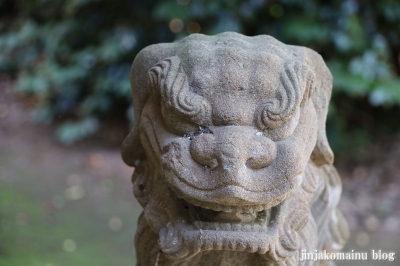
(233, 166)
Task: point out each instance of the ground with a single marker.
(73, 205)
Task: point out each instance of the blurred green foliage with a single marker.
(74, 56)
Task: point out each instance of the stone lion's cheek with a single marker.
(294, 151)
(305, 134)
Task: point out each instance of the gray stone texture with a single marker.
(233, 166)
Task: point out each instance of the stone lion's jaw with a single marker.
(262, 232)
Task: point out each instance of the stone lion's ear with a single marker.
(160, 76)
(314, 83)
(131, 148)
(322, 153)
(320, 95)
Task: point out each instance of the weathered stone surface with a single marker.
(233, 166)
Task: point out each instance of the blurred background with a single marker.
(65, 107)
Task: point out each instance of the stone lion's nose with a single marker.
(231, 148)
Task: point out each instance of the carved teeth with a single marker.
(259, 208)
(257, 218)
(229, 227)
(236, 227)
(198, 224)
(217, 226)
(258, 228)
(247, 228)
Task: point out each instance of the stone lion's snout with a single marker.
(231, 150)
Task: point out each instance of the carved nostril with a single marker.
(257, 163)
(261, 153)
(213, 163)
(202, 150)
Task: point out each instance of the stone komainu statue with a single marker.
(233, 166)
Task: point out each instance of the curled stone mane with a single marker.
(232, 163)
(297, 80)
(166, 78)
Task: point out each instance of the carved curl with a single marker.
(295, 88)
(168, 80)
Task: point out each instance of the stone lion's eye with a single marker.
(271, 115)
(293, 91)
(179, 102)
(281, 129)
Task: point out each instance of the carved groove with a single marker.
(166, 78)
(296, 82)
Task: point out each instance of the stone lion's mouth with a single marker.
(211, 208)
(254, 219)
(259, 232)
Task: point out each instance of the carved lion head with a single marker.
(228, 140)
